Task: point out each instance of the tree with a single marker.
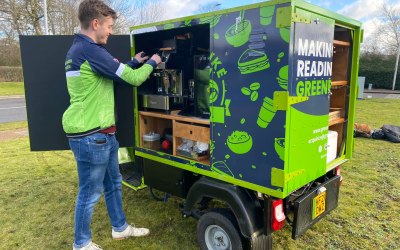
(62, 16)
(390, 33)
(210, 7)
(15, 15)
(25, 17)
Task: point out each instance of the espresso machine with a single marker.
(169, 83)
(168, 94)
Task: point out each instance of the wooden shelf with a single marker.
(339, 83)
(193, 128)
(205, 161)
(341, 43)
(188, 131)
(335, 113)
(336, 121)
(174, 116)
(202, 159)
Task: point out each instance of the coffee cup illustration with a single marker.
(253, 61)
(240, 142)
(283, 77)
(238, 34)
(285, 34)
(212, 20)
(266, 14)
(221, 168)
(267, 113)
(280, 147)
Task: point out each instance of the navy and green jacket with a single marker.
(90, 71)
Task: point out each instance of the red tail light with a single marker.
(278, 215)
(338, 169)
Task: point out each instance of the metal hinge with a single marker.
(285, 17)
(296, 18)
(282, 100)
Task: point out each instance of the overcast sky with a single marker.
(365, 11)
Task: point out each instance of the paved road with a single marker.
(12, 109)
(381, 95)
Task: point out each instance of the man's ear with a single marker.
(95, 24)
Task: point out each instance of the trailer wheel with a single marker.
(218, 230)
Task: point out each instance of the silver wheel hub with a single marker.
(217, 239)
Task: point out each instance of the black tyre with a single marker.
(218, 230)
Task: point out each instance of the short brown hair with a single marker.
(94, 9)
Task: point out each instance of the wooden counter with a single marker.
(174, 116)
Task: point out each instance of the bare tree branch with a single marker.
(389, 30)
(213, 6)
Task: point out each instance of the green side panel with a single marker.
(307, 119)
(306, 150)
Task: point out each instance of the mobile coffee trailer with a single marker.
(253, 106)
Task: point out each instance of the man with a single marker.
(90, 124)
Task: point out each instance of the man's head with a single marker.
(96, 20)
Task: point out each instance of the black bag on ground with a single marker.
(392, 133)
(377, 134)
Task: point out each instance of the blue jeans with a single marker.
(97, 159)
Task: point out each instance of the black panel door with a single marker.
(46, 92)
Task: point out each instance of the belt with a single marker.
(110, 130)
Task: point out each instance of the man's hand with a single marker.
(156, 58)
(140, 57)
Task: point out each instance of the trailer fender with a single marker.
(244, 204)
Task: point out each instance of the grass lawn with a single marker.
(38, 191)
(13, 125)
(11, 88)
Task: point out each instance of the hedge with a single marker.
(379, 71)
(380, 79)
(11, 74)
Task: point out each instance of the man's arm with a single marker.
(137, 60)
(103, 63)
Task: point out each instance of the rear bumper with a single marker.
(303, 206)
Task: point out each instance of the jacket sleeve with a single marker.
(103, 63)
(133, 63)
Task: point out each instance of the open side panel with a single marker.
(173, 102)
(46, 92)
(340, 90)
(310, 83)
